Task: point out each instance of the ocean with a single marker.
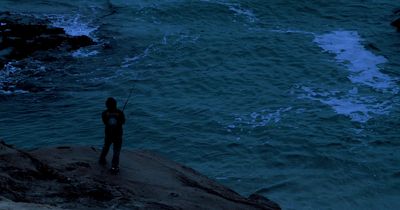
(297, 101)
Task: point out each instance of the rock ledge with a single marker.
(70, 178)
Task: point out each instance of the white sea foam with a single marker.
(180, 39)
(185, 38)
(258, 119)
(6, 76)
(83, 53)
(237, 9)
(363, 64)
(364, 69)
(292, 31)
(74, 26)
(129, 61)
(164, 41)
(9, 69)
(357, 108)
(12, 92)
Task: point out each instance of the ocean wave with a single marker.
(238, 10)
(357, 108)
(186, 38)
(7, 79)
(257, 119)
(129, 61)
(12, 92)
(168, 39)
(363, 64)
(364, 69)
(179, 38)
(73, 25)
(292, 31)
(5, 74)
(83, 53)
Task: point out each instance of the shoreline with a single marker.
(67, 177)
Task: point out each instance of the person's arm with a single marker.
(122, 118)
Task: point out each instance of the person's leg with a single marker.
(104, 152)
(116, 151)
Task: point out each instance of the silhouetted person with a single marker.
(113, 120)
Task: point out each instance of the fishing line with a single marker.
(127, 100)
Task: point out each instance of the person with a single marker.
(113, 119)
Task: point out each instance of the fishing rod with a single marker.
(127, 100)
(130, 94)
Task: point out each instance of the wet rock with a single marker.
(263, 201)
(77, 42)
(27, 86)
(396, 22)
(41, 178)
(373, 47)
(23, 35)
(76, 165)
(91, 191)
(6, 204)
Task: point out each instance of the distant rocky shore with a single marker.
(23, 35)
(396, 22)
(26, 36)
(70, 178)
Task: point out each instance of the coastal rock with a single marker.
(23, 35)
(70, 178)
(396, 22)
(26, 40)
(6, 204)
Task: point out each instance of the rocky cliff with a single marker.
(70, 178)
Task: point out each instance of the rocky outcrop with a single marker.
(6, 204)
(27, 42)
(396, 22)
(23, 35)
(70, 178)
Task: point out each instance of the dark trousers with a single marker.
(116, 150)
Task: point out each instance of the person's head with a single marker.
(111, 103)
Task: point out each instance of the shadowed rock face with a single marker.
(25, 40)
(21, 36)
(70, 178)
(396, 22)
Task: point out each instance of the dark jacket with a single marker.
(113, 120)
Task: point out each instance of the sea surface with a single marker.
(294, 100)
